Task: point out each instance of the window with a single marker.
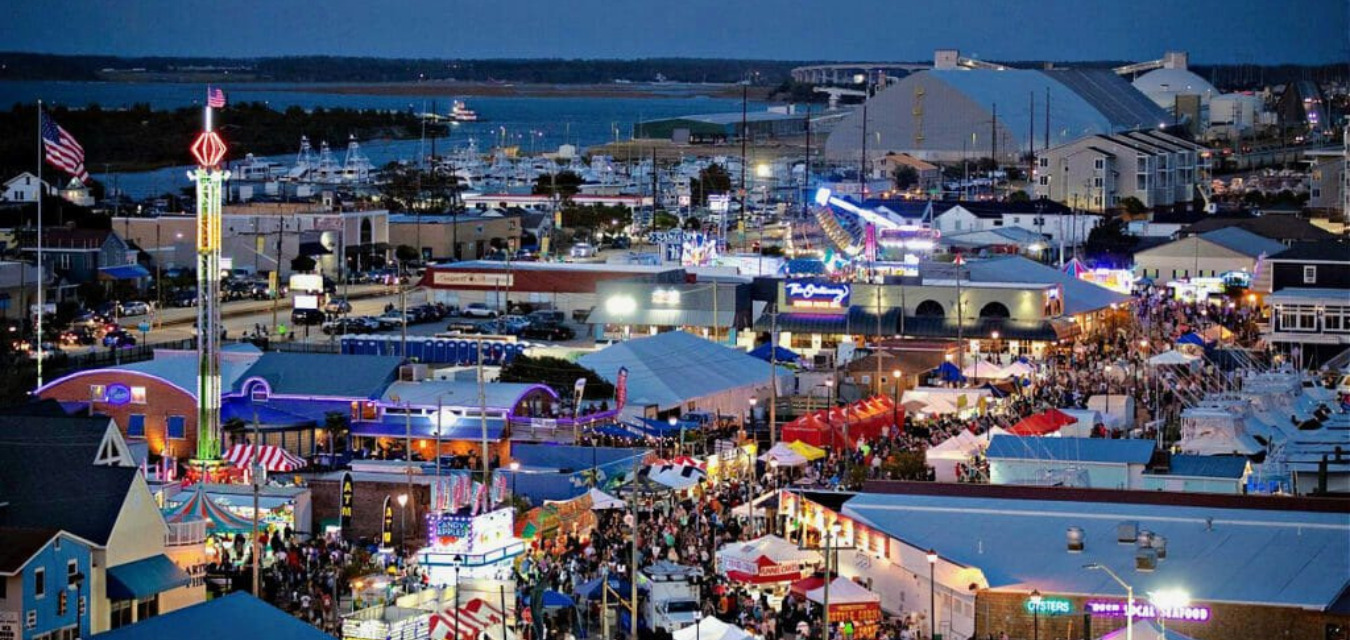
(61, 604)
(72, 572)
(1097, 182)
(1141, 181)
(147, 609)
(39, 582)
(136, 425)
(1140, 164)
(1309, 274)
(1099, 163)
(1017, 220)
(1336, 319)
(120, 616)
(4, 589)
(98, 392)
(138, 395)
(1043, 180)
(1316, 192)
(63, 261)
(1297, 317)
(1044, 162)
(177, 428)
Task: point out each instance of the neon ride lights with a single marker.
(818, 295)
(1144, 610)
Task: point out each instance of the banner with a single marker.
(580, 387)
(479, 497)
(387, 524)
(348, 495)
(621, 389)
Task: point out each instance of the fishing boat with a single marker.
(459, 112)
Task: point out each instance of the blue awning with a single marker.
(142, 579)
(423, 427)
(125, 272)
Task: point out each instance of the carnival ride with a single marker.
(874, 234)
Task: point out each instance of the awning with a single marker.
(823, 323)
(460, 428)
(941, 327)
(142, 579)
(665, 317)
(124, 272)
(270, 457)
(314, 249)
(269, 418)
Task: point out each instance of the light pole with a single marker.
(1129, 596)
(932, 593)
(895, 404)
(402, 520)
(515, 472)
(1036, 614)
(698, 625)
(830, 534)
(829, 394)
(1107, 370)
(998, 353)
(458, 560)
(1171, 599)
(679, 444)
(751, 421)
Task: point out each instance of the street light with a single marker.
(1169, 599)
(831, 533)
(753, 402)
(1129, 596)
(679, 444)
(1036, 613)
(895, 405)
(515, 473)
(932, 593)
(402, 520)
(829, 393)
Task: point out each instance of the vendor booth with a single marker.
(768, 560)
(942, 401)
(845, 426)
(710, 628)
(851, 605)
(1041, 424)
(466, 545)
(783, 455)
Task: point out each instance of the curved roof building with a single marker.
(1162, 86)
(947, 115)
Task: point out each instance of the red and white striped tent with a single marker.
(477, 620)
(270, 457)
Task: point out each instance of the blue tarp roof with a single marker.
(1231, 467)
(238, 615)
(1071, 449)
(125, 272)
(557, 456)
(552, 600)
(268, 416)
(145, 578)
(781, 354)
(1245, 556)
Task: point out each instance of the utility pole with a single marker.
(745, 133)
(773, 378)
(255, 548)
(482, 412)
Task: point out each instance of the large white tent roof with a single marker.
(670, 369)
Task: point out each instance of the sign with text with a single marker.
(817, 294)
(1141, 609)
(387, 524)
(348, 496)
(1049, 606)
(468, 279)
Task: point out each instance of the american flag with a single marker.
(62, 151)
(215, 97)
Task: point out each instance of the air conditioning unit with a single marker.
(1127, 532)
(1145, 559)
(1075, 539)
(413, 372)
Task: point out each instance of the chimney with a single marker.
(1075, 539)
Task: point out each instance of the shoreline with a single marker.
(529, 90)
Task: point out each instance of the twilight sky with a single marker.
(1213, 31)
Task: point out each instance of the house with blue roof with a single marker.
(44, 583)
(1071, 462)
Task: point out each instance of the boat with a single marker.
(459, 112)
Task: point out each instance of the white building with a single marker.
(1097, 172)
(24, 188)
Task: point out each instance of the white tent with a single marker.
(1117, 410)
(843, 591)
(601, 501)
(1086, 418)
(1019, 368)
(1172, 358)
(959, 448)
(784, 455)
(710, 628)
(940, 400)
(745, 556)
(983, 369)
(679, 477)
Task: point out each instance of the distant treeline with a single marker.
(29, 66)
(138, 137)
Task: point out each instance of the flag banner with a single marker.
(621, 389)
(61, 149)
(215, 97)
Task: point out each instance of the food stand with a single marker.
(768, 561)
(850, 604)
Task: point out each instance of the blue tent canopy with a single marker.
(554, 600)
(949, 372)
(613, 431)
(994, 391)
(764, 351)
(591, 590)
(661, 428)
(1191, 338)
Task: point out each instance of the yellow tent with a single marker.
(806, 451)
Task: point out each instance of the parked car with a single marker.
(183, 299)
(514, 324)
(462, 326)
(622, 242)
(306, 317)
(118, 339)
(78, 336)
(345, 326)
(133, 308)
(395, 318)
(547, 316)
(551, 332)
(582, 250)
(479, 310)
(337, 305)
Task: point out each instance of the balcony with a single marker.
(185, 533)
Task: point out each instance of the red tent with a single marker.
(1048, 421)
(810, 429)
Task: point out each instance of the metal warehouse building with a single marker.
(721, 127)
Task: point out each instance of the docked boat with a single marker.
(459, 112)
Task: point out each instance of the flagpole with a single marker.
(40, 279)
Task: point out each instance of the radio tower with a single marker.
(208, 150)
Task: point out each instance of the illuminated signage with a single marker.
(817, 295)
(348, 497)
(117, 394)
(666, 296)
(1049, 606)
(309, 282)
(1116, 609)
(469, 279)
(304, 301)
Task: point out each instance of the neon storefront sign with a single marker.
(117, 394)
(817, 295)
(1049, 606)
(1144, 610)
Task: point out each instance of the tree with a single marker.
(1019, 196)
(905, 177)
(711, 180)
(406, 253)
(664, 220)
(558, 374)
(563, 185)
(303, 264)
(413, 190)
(907, 465)
(1133, 206)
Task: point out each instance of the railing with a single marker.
(185, 533)
(110, 357)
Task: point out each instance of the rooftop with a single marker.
(1330, 250)
(238, 615)
(1243, 241)
(19, 545)
(1241, 556)
(1273, 227)
(1071, 449)
(1190, 466)
(557, 267)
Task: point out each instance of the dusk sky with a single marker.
(1213, 31)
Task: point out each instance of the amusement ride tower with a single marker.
(208, 150)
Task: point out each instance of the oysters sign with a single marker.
(816, 294)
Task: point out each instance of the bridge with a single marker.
(843, 73)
